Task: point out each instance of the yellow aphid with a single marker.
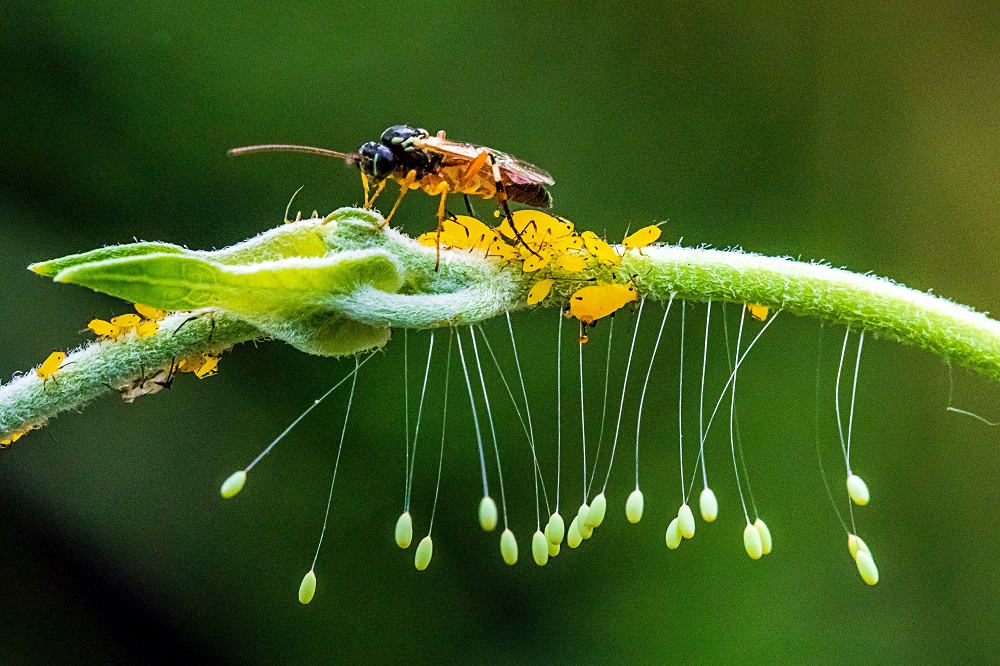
(758, 312)
(428, 239)
(572, 263)
(208, 368)
(146, 329)
(567, 243)
(152, 314)
(50, 365)
(642, 238)
(13, 437)
(500, 249)
(592, 303)
(467, 232)
(674, 536)
(535, 226)
(599, 249)
(126, 322)
(104, 329)
(539, 291)
(203, 365)
(536, 262)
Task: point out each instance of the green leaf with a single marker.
(324, 334)
(298, 239)
(188, 282)
(52, 267)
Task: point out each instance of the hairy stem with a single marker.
(468, 288)
(89, 372)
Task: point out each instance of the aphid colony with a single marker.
(550, 247)
(553, 530)
(142, 325)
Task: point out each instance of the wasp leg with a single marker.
(468, 206)
(471, 171)
(502, 201)
(443, 188)
(364, 181)
(404, 187)
(378, 191)
(169, 381)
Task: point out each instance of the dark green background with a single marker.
(867, 137)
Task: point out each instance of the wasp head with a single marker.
(376, 160)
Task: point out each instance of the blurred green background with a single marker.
(861, 135)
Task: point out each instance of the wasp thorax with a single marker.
(402, 136)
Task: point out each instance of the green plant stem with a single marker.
(469, 288)
(91, 371)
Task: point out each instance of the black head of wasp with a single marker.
(439, 166)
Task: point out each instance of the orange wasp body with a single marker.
(417, 160)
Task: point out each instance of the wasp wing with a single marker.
(514, 170)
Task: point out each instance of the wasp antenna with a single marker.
(350, 158)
